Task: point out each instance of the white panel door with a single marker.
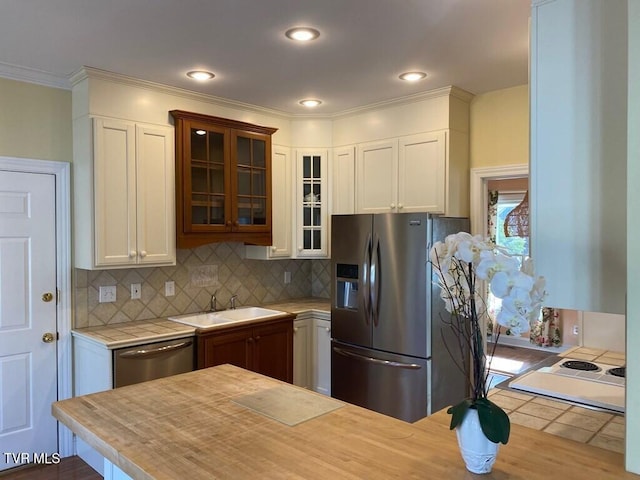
(343, 181)
(28, 365)
(155, 186)
(421, 173)
(281, 231)
(377, 177)
(322, 356)
(302, 352)
(115, 192)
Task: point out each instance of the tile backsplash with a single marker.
(221, 268)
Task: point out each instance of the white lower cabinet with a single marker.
(321, 381)
(312, 351)
(302, 336)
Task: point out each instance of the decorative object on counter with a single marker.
(459, 263)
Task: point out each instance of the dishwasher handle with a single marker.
(142, 352)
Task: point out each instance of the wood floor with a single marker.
(513, 360)
(70, 468)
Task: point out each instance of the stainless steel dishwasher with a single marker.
(153, 360)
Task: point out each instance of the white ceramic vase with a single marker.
(478, 452)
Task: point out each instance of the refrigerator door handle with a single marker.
(388, 363)
(366, 282)
(374, 277)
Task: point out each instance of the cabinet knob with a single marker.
(299, 248)
(132, 254)
(236, 223)
(274, 248)
(393, 205)
(328, 329)
(249, 340)
(257, 338)
(400, 206)
(228, 223)
(295, 329)
(143, 253)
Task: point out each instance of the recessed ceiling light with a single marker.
(200, 75)
(310, 102)
(412, 76)
(302, 34)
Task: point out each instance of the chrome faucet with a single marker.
(212, 302)
(233, 302)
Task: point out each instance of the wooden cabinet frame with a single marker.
(190, 234)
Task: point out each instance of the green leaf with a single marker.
(493, 421)
(458, 412)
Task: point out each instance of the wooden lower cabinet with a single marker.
(265, 347)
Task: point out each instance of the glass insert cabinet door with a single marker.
(207, 178)
(251, 185)
(312, 198)
(223, 180)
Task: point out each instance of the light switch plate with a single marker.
(169, 288)
(107, 294)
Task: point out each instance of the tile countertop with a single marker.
(595, 427)
(139, 332)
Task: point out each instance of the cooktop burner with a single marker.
(581, 365)
(618, 371)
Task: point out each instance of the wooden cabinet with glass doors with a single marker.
(223, 180)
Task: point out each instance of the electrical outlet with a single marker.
(575, 330)
(136, 291)
(287, 277)
(107, 294)
(169, 288)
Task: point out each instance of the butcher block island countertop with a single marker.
(207, 424)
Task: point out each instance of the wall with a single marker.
(35, 121)
(632, 459)
(499, 131)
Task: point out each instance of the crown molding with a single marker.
(91, 72)
(31, 75)
(450, 91)
(39, 77)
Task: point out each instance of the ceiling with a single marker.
(477, 45)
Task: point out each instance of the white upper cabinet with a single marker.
(402, 175)
(312, 195)
(124, 194)
(578, 152)
(343, 180)
(281, 216)
(377, 177)
(421, 173)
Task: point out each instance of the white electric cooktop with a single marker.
(589, 383)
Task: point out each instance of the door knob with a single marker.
(47, 297)
(47, 337)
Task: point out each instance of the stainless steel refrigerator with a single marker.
(387, 349)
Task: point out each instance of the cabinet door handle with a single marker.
(393, 205)
(328, 329)
(132, 254)
(228, 223)
(400, 206)
(249, 340)
(299, 248)
(143, 253)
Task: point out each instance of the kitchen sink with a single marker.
(225, 317)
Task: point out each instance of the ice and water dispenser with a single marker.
(347, 286)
